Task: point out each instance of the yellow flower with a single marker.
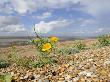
(54, 39)
(46, 47)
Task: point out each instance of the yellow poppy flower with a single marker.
(54, 39)
(46, 47)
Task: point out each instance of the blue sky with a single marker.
(54, 17)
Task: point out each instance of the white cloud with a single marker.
(8, 20)
(88, 22)
(20, 6)
(29, 6)
(96, 8)
(44, 15)
(13, 28)
(10, 24)
(7, 9)
(93, 7)
(45, 27)
(99, 30)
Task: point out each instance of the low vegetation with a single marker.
(104, 40)
(3, 63)
(80, 46)
(46, 48)
(67, 51)
(5, 78)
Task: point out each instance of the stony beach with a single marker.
(91, 65)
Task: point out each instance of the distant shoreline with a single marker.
(7, 41)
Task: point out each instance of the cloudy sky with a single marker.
(55, 17)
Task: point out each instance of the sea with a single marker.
(8, 41)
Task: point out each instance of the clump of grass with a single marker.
(15, 58)
(5, 78)
(67, 51)
(20, 61)
(3, 63)
(103, 41)
(76, 48)
(23, 61)
(80, 46)
(95, 46)
(42, 63)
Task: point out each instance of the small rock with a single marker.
(75, 79)
(61, 79)
(54, 73)
(21, 78)
(67, 77)
(12, 73)
(106, 63)
(39, 80)
(46, 80)
(86, 73)
(36, 76)
(25, 77)
(32, 77)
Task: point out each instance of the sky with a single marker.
(54, 17)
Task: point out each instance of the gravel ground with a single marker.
(87, 66)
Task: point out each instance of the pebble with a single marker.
(75, 79)
(67, 77)
(86, 73)
(46, 80)
(40, 80)
(90, 66)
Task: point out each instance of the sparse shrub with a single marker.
(103, 41)
(23, 61)
(3, 63)
(95, 46)
(36, 64)
(42, 63)
(20, 61)
(13, 54)
(80, 46)
(15, 58)
(67, 51)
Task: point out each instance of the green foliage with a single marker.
(67, 51)
(23, 61)
(15, 58)
(20, 61)
(40, 42)
(2, 78)
(80, 46)
(103, 40)
(3, 63)
(95, 46)
(44, 47)
(41, 63)
(5, 78)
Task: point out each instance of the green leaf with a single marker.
(8, 78)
